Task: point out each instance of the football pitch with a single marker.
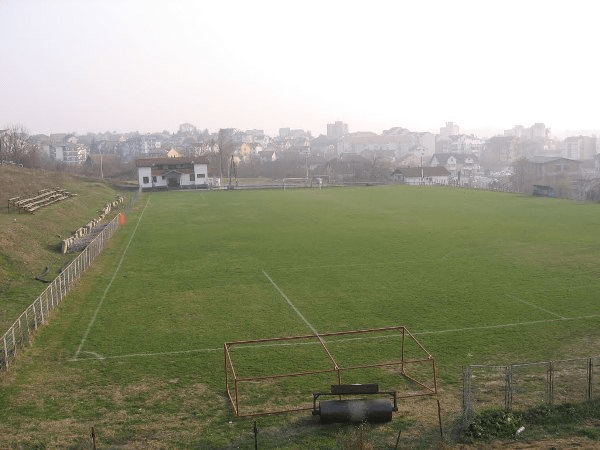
(477, 277)
(202, 268)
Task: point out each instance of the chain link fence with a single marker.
(36, 315)
(308, 433)
(520, 386)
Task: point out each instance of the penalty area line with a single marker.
(289, 302)
(506, 325)
(89, 327)
(98, 357)
(514, 297)
(141, 355)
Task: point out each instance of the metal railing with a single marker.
(520, 386)
(37, 314)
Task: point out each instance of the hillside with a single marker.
(31, 242)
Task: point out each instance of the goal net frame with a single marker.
(234, 383)
(303, 182)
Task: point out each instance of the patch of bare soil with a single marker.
(546, 444)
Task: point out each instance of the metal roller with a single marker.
(356, 411)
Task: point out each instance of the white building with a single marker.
(69, 153)
(174, 173)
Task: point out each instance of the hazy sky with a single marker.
(126, 65)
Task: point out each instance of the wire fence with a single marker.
(520, 386)
(305, 431)
(37, 314)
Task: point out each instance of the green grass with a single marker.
(31, 242)
(478, 277)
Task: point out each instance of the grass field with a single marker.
(29, 243)
(477, 277)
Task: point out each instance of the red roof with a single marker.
(149, 162)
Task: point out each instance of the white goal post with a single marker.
(316, 182)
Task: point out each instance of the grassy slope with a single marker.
(29, 243)
(433, 260)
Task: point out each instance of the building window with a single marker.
(145, 180)
(191, 177)
(200, 175)
(154, 179)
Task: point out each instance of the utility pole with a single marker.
(422, 176)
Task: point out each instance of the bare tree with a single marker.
(521, 176)
(226, 147)
(17, 147)
(2, 134)
(586, 187)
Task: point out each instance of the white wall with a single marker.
(144, 172)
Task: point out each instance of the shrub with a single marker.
(494, 424)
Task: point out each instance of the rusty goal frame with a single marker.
(233, 381)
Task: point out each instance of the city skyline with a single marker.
(133, 65)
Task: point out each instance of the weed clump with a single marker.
(494, 424)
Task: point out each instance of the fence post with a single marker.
(590, 390)
(27, 320)
(467, 395)
(508, 392)
(63, 291)
(5, 353)
(41, 310)
(47, 306)
(21, 335)
(550, 383)
(24, 330)
(14, 342)
(35, 317)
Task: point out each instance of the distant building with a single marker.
(71, 154)
(337, 130)
(173, 153)
(400, 143)
(451, 129)
(579, 147)
(421, 176)
(547, 167)
(455, 163)
(536, 131)
(502, 149)
(460, 143)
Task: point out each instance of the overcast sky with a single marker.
(145, 65)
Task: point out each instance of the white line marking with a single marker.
(313, 329)
(287, 344)
(138, 355)
(514, 297)
(507, 325)
(341, 266)
(97, 356)
(89, 327)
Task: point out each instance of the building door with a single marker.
(173, 182)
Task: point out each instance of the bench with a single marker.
(44, 197)
(355, 410)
